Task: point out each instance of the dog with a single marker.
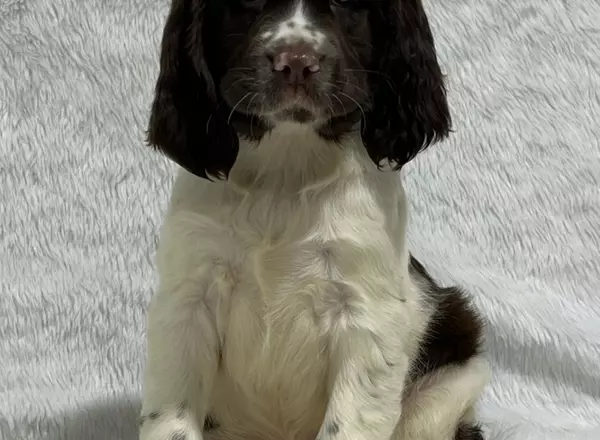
(289, 306)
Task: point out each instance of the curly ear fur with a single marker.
(186, 122)
(409, 110)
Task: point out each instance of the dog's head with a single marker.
(236, 68)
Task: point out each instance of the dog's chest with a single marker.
(289, 269)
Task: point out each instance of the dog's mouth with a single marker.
(253, 126)
(302, 109)
(307, 104)
(297, 104)
(297, 114)
(256, 105)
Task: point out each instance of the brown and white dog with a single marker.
(289, 307)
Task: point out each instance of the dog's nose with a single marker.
(297, 63)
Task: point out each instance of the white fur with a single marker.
(433, 405)
(295, 27)
(285, 304)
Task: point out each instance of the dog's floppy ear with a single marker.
(186, 120)
(409, 110)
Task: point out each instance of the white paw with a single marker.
(170, 424)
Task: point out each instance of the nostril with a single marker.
(313, 68)
(296, 63)
(309, 70)
(281, 62)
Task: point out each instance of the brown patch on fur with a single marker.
(455, 332)
(454, 335)
(468, 432)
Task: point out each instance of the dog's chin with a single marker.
(253, 125)
(297, 108)
(299, 115)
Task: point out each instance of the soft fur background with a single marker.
(509, 208)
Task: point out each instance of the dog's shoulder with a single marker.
(192, 234)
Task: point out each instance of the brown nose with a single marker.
(297, 63)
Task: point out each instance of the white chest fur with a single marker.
(284, 266)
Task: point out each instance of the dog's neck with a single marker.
(294, 157)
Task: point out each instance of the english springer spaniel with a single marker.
(289, 307)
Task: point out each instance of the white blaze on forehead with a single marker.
(295, 27)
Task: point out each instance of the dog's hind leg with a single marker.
(438, 406)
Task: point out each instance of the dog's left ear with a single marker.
(409, 111)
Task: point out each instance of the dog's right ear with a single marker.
(187, 121)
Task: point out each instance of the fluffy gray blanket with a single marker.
(509, 208)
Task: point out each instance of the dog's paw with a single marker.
(169, 424)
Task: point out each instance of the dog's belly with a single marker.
(273, 376)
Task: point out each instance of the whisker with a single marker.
(328, 84)
(346, 83)
(250, 102)
(362, 111)
(251, 113)
(208, 122)
(253, 116)
(330, 103)
(341, 102)
(236, 106)
(244, 78)
(386, 77)
(262, 102)
(366, 71)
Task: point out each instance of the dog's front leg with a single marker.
(366, 388)
(182, 360)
